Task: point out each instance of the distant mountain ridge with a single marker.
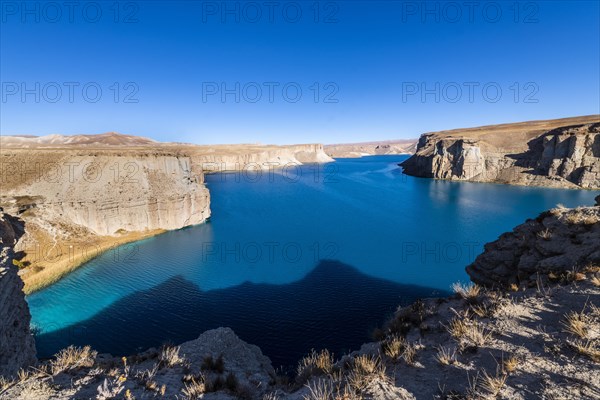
(103, 139)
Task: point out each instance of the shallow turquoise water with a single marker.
(315, 256)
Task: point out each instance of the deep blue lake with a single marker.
(307, 257)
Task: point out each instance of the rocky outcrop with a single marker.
(558, 242)
(557, 153)
(17, 348)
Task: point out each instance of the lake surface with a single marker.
(301, 258)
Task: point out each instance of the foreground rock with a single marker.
(557, 153)
(17, 348)
(558, 243)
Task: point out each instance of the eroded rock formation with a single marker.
(557, 153)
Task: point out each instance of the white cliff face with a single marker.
(222, 158)
(573, 155)
(105, 193)
(566, 156)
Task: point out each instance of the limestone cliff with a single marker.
(253, 157)
(387, 147)
(557, 153)
(17, 348)
(106, 192)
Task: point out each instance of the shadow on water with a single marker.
(334, 307)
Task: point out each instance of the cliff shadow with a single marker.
(335, 307)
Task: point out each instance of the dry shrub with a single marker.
(194, 389)
(468, 332)
(36, 389)
(446, 356)
(493, 384)
(510, 364)
(315, 364)
(587, 348)
(468, 292)
(366, 369)
(393, 347)
(409, 355)
(328, 390)
(545, 234)
(577, 323)
(73, 357)
(169, 356)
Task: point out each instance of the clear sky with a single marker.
(214, 72)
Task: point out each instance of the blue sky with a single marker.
(365, 70)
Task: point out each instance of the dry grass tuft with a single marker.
(545, 234)
(393, 347)
(446, 356)
(469, 291)
(73, 357)
(468, 332)
(4, 383)
(493, 384)
(510, 364)
(315, 364)
(577, 323)
(169, 356)
(409, 355)
(328, 390)
(587, 348)
(36, 389)
(366, 369)
(595, 281)
(194, 389)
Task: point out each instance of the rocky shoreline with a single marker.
(530, 334)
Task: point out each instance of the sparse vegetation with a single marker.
(587, 348)
(446, 356)
(468, 332)
(409, 354)
(366, 369)
(393, 347)
(469, 292)
(545, 234)
(315, 364)
(493, 384)
(169, 356)
(510, 364)
(73, 357)
(577, 324)
(194, 389)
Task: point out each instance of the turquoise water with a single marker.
(309, 257)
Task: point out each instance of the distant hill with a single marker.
(104, 139)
